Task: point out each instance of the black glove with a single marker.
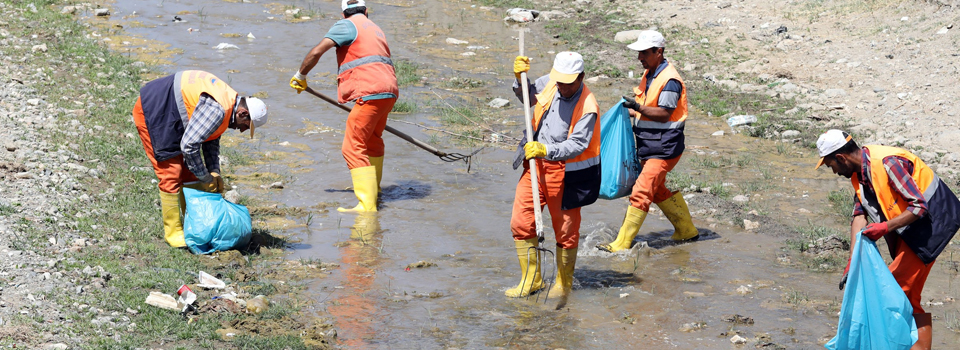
(843, 282)
(631, 104)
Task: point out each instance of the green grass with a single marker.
(404, 107)
(458, 115)
(6, 209)
(677, 181)
(407, 72)
(842, 202)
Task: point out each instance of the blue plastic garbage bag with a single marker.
(618, 153)
(213, 224)
(875, 313)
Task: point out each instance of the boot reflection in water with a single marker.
(355, 307)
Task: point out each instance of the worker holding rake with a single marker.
(566, 146)
(366, 75)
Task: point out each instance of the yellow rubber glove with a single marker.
(534, 150)
(218, 180)
(521, 65)
(298, 82)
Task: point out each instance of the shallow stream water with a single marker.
(438, 212)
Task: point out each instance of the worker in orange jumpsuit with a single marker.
(566, 146)
(659, 112)
(907, 204)
(366, 75)
(177, 117)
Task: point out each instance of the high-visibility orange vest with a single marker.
(928, 235)
(581, 173)
(662, 140)
(365, 65)
(168, 104)
(194, 83)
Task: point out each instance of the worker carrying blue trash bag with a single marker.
(875, 313)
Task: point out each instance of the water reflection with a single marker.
(356, 307)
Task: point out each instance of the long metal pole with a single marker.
(537, 211)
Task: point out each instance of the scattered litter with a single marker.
(163, 301)
(717, 133)
(224, 46)
(743, 290)
(520, 15)
(210, 282)
(258, 304)
(177, 19)
(250, 36)
(477, 47)
(737, 339)
(739, 120)
(187, 297)
(453, 41)
(275, 185)
(624, 295)
(420, 264)
(468, 54)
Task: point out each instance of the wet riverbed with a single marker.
(650, 298)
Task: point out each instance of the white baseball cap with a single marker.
(566, 67)
(258, 113)
(648, 39)
(344, 6)
(830, 142)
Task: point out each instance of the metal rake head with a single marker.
(453, 157)
(543, 261)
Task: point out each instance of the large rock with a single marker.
(499, 103)
(627, 36)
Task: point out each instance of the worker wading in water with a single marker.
(366, 75)
(659, 110)
(566, 146)
(177, 117)
(907, 204)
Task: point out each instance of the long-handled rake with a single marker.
(537, 210)
(446, 157)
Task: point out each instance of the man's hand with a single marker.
(521, 65)
(631, 103)
(298, 82)
(218, 180)
(534, 150)
(876, 230)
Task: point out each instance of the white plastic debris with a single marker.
(250, 36)
(209, 282)
(224, 46)
(163, 301)
(738, 120)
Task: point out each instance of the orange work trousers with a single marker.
(566, 223)
(651, 185)
(171, 173)
(909, 271)
(363, 137)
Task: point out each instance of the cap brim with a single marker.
(563, 77)
(819, 163)
(639, 46)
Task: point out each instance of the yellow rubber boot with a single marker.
(365, 187)
(530, 279)
(566, 260)
(377, 163)
(675, 209)
(628, 231)
(183, 203)
(172, 225)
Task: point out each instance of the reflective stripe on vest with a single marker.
(365, 67)
(651, 98)
(361, 61)
(192, 84)
(890, 202)
(585, 105)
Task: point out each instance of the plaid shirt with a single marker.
(206, 119)
(899, 171)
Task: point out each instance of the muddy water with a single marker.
(437, 212)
